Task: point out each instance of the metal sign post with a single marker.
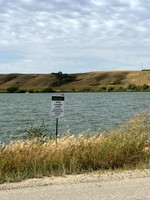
(57, 109)
(56, 129)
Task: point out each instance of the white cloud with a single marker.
(73, 35)
(27, 1)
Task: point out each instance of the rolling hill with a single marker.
(74, 82)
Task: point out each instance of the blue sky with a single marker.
(72, 36)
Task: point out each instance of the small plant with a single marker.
(38, 132)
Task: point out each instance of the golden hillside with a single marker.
(70, 82)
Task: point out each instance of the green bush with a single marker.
(12, 89)
(102, 89)
(145, 87)
(31, 91)
(110, 89)
(85, 90)
(38, 132)
(132, 87)
(121, 89)
(22, 91)
(47, 90)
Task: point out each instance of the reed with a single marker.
(126, 146)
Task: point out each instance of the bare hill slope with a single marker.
(69, 82)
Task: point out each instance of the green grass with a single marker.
(125, 147)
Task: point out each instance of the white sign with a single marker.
(57, 106)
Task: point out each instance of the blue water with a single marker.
(18, 112)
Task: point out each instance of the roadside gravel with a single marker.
(81, 178)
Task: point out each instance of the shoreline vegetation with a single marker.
(37, 155)
(130, 88)
(108, 81)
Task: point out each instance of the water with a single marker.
(83, 111)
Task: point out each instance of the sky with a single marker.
(74, 36)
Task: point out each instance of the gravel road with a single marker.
(128, 185)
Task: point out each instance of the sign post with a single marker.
(57, 110)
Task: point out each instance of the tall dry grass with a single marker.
(128, 145)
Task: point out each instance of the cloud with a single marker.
(73, 36)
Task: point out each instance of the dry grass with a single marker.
(91, 80)
(26, 81)
(126, 146)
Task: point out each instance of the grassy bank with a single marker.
(112, 88)
(126, 146)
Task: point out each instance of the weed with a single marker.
(127, 145)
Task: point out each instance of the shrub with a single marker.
(145, 87)
(38, 132)
(132, 86)
(86, 90)
(116, 82)
(22, 91)
(121, 89)
(31, 91)
(47, 90)
(102, 88)
(110, 89)
(12, 89)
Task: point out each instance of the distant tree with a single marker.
(12, 89)
(63, 78)
(47, 90)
